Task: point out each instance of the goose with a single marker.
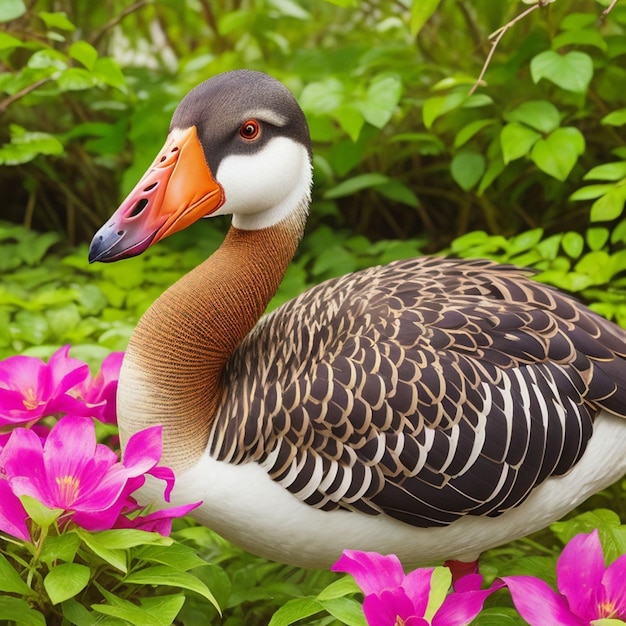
(432, 408)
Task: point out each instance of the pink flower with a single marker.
(395, 599)
(588, 590)
(31, 389)
(12, 513)
(71, 471)
(99, 392)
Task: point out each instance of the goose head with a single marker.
(238, 144)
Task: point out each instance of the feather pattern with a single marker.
(427, 389)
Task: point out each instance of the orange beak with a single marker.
(177, 190)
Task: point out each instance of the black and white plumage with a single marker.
(431, 407)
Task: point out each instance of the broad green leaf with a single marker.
(399, 192)
(75, 79)
(11, 581)
(382, 98)
(615, 118)
(421, 12)
(166, 575)
(289, 8)
(572, 71)
(84, 53)
(25, 146)
(499, 616)
(467, 168)
(573, 244)
(356, 184)
(164, 608)
(538, 114)
(590, 192)
(322, 97)
(350, 118)
(347, 610)
(176, 555)
(13, 610)
(11, 9)
(517, 140)
(78, 614)
(580, 37)
(557, 154)
(48, 58)
(597, 237)
(468, 131)
(130, 613)
(40, 514)
(108, 72)
(65, 581)
(57, 20)
(346, 585)
(609, 206)
(439, 585)
(6, 40)
(607, 171)
(115, 557)
(440, 105)
(526, 240)
(60, 548)
(294, 610)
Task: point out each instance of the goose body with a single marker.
(432, 407)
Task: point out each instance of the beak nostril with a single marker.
(162, 159)
(152, 186)
(139, 207)
(175, 149)
(120, 233)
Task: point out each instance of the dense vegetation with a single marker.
(530, 168)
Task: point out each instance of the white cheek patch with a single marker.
(263, 188)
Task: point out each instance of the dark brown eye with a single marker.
(250, 130)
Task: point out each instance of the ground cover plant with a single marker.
(411, 156)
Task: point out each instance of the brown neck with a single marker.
(172, 369)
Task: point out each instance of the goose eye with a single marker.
(250, 130)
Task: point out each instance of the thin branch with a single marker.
(609, 8)
(118, 18)
(7, 102)
(496, 36)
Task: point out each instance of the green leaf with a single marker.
(440, 105)
(289, 8)
(590, 192)
(84, 53)
(76, 79)
(65, 581)
(615, 118)
(609, 206)
(356, 184)
(573, 244)
(129, 612)
(295, 610)
(25, 146)
(525, 241)
(176, 555)
(19, 611)
(108, 72)
(351, 119)
(60, 548)
(77, 614)
(382, 98)
(6, 40)
(467, 168)
(421, 12)
(347, 610)
(56, 20)
(439, 587)
(538, 114)
(516, 140)
(166, 575)
(557, 154)
(572, 71)
(607, 171)
(580, 37)
(11, 9)
(398, 192)
(40, 514)
(346, 585)
(11, 581)
(469, 130)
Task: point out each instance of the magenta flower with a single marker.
(71, 471)
(31, 389)
(395, 599)
(12, 513)
(588, 590)
(99, 392)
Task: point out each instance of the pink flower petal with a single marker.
(614, 587)
(579, 572)
(383, 609)
(539, 604)
(417, 587)
(143, 450)
(372, 572)
(65, 371)
(460, 608)
(12, 513)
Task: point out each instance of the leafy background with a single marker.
(530, 169)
